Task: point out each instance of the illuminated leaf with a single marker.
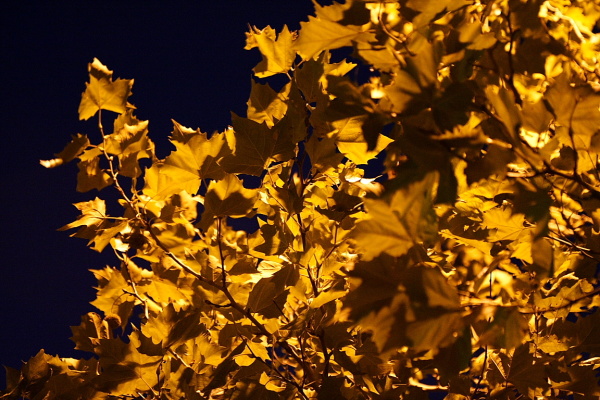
(227, 197)
(185, 167)
(317, 35)
(278, 53)
(527, 373)
(70, 152)
(102, 93)
(130, 143)
(266, 105)
(507, 226)
(252, 144)
(395, 226)
(91, 176)
(576, 108)
(350, 140)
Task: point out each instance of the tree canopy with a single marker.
(410, 208)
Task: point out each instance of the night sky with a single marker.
(188, 63)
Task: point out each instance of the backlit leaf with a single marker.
(278, 53)
(317, 35)
(70, 152)
(252, 144)
(102, 93)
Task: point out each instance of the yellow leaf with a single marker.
(326, 297)
(185, 167)
(507, 226)
(317, 35)
(351, 142)
(396, 226)
(71, 151)
(228, 197)
(259, 350)
(102, 93)
(266, 105)
(252, 144)
(278, 54)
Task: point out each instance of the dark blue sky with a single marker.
(188, 63)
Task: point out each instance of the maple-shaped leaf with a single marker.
(91, 327)
(395, 226)
(93, 216)
(506, 225)
(70, 152)
(252, 144)
(413, 86)
(184, 169)
(350, 139)
(50, 377)
(506, 330)
(319, 34)
(323, 153)
(95, 225)
(292, 128)
(124, 369)
(308, 78)
(278, 52)
(527, 373)
(110, 297)
(91, 176)
(435, 332)
(270, 293)
(266, 105)
(171, 328)
(129, 143)
(269, 239)
(102, 93)
(227, 198)
(505, 106)
(404, 305)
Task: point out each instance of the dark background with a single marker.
(188, 63)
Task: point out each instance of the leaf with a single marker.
(507, 226)
(576, 108)
(252, 145)
(351, 142)
(171, 327)
(266, 291)
(93, 215)
(130, 143)
(70, 152)
(91, 327)
(317, 35)
(527, 373)
(259, 350)
(278, 53)
(227, 198)
(187, 165)
(435, 332)
(102, 93)
(124, 369)
(91, 176)
(266, 105)
(507, 329)
(326, 297)
(308, 78)
(110, 297)
(551, 344)
(395, 226)
(503, 101)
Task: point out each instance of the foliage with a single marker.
(465, 264)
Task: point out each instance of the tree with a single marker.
(264, 262)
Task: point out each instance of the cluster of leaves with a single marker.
(465, 264)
